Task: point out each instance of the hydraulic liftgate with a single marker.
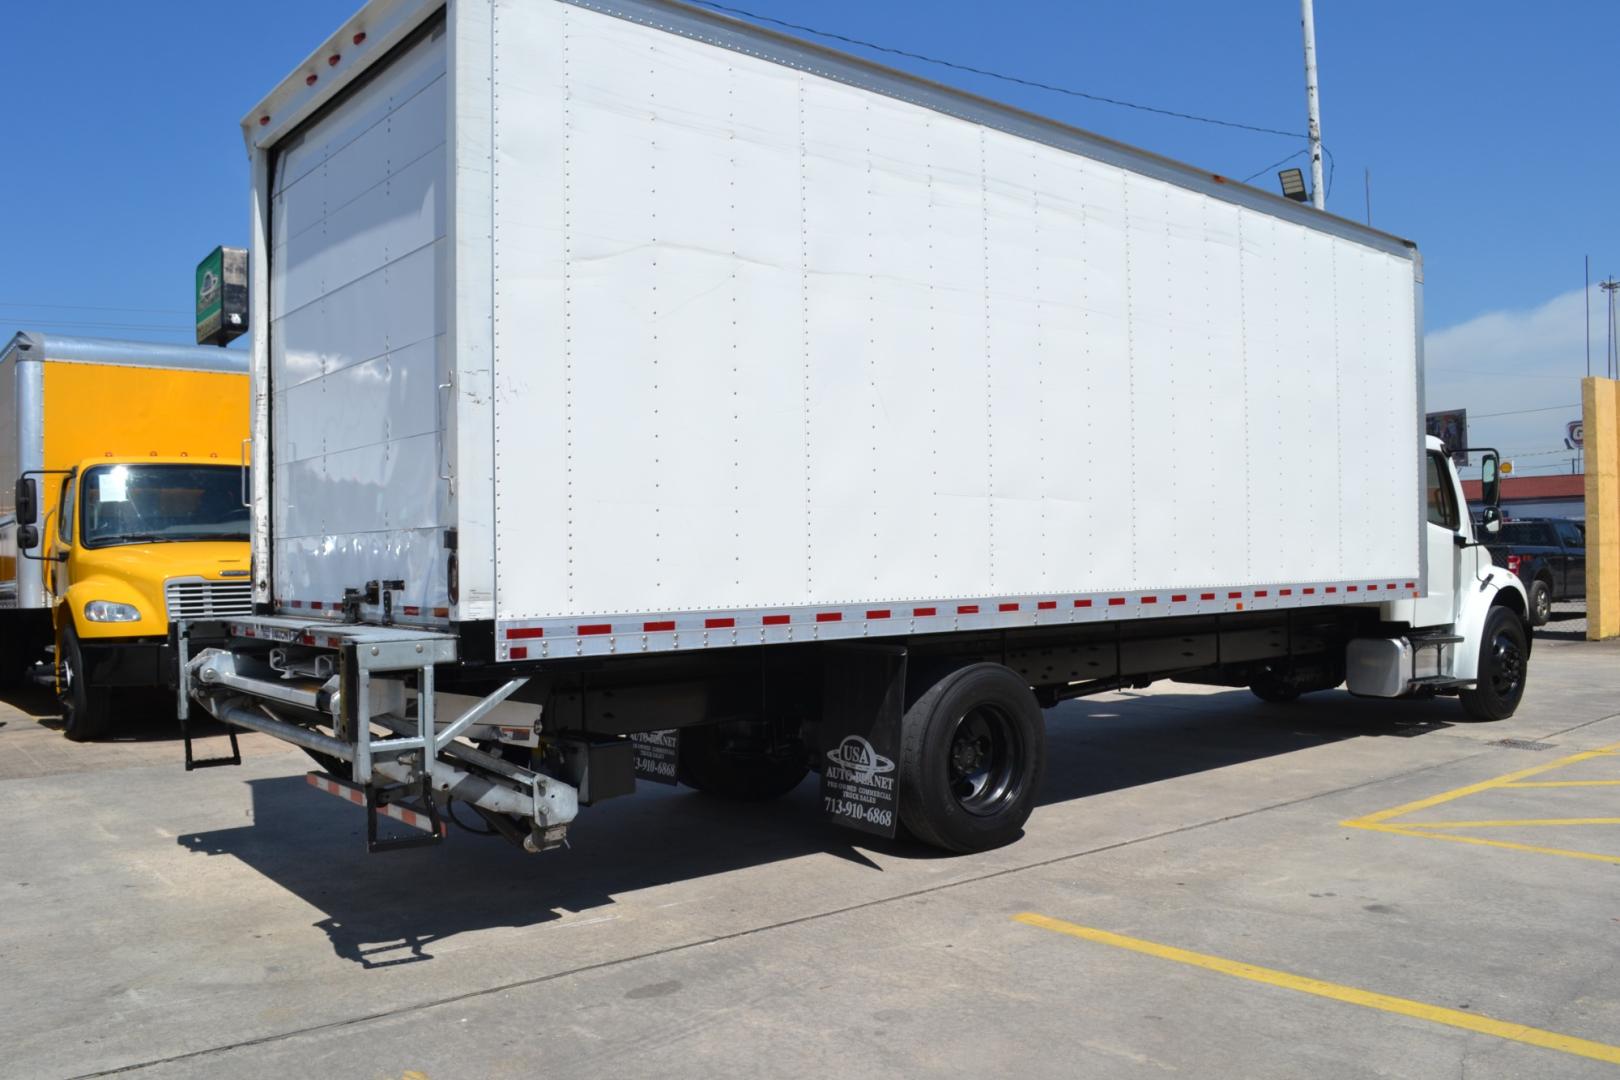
(353, 680)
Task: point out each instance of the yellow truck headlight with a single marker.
(110, 611)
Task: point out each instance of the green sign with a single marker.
(210, 294)
(221, 296)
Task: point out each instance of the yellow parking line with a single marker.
(1565, 783)
(1467, 1021)
(1511, 823)
(1483, 785)
(1509, 845)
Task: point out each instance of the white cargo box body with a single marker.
(683, 334)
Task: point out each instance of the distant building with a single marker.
(1559, 495)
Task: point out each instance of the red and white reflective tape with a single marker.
(535, 639)
(357, 795)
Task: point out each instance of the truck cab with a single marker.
(1469, 633)
(134, 543)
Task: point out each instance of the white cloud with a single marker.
(1512, 361)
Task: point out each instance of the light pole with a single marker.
(1610, 363)
(1307, 20)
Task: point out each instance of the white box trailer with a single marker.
(615, 347)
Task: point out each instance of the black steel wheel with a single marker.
(86, 709)
(1540, 602)
(1503, 661)
(973, 749)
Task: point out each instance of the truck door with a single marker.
(1573, 539)
(357, 340)
(1438, 607)
(56, 571)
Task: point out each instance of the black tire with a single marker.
(86, 709)
(1503, 653)
(707, 761)
(1274, 691)
(1540, 602)
(972, 753)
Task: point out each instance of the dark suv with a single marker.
(1548, 554)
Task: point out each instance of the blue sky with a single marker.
(1487, 130)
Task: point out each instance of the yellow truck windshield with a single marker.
(143, 504)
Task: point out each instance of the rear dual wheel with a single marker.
(735, 769)
(972, 753)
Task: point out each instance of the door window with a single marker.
(1571, 534)
(1442, 498)
(64, 512)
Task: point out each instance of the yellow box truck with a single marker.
(122, 506)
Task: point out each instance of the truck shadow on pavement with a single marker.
(392, 909)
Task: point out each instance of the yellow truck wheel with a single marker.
(86, 709)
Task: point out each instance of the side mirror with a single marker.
(1491, 519)
(27, 537)
(1490, 480)
(27, 498)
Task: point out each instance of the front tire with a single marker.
(1503, 653)
(972, 753)
(86, 709)
(1540, 603)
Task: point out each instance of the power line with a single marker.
(1503, 374)
(970, 69)
(1255, 176)
(92, 307)
(62, 324)
(1520, 412)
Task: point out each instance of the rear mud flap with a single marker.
(655, 755)
(863, 699)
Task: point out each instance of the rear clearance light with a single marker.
(1513, 562)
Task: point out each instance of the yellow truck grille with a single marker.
(194, 598)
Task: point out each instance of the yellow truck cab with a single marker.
(128, 509)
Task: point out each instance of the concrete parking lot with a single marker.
(1212, 887)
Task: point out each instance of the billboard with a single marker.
(1451, 428)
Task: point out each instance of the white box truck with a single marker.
(640, 392)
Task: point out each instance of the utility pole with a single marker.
(1587, 295)
(1307, 19)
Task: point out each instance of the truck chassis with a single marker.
(413, 725)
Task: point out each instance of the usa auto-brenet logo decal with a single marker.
(857, 756)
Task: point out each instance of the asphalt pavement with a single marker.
(1211, 887)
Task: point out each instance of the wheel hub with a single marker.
(1507, 664)
(985, 761)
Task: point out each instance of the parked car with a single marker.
(1549, 555)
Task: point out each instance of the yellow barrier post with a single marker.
(1600, 416)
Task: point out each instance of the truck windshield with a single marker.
(143, 504)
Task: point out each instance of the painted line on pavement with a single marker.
(1512, 823)
(1385, 821)
(1467, 1021)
